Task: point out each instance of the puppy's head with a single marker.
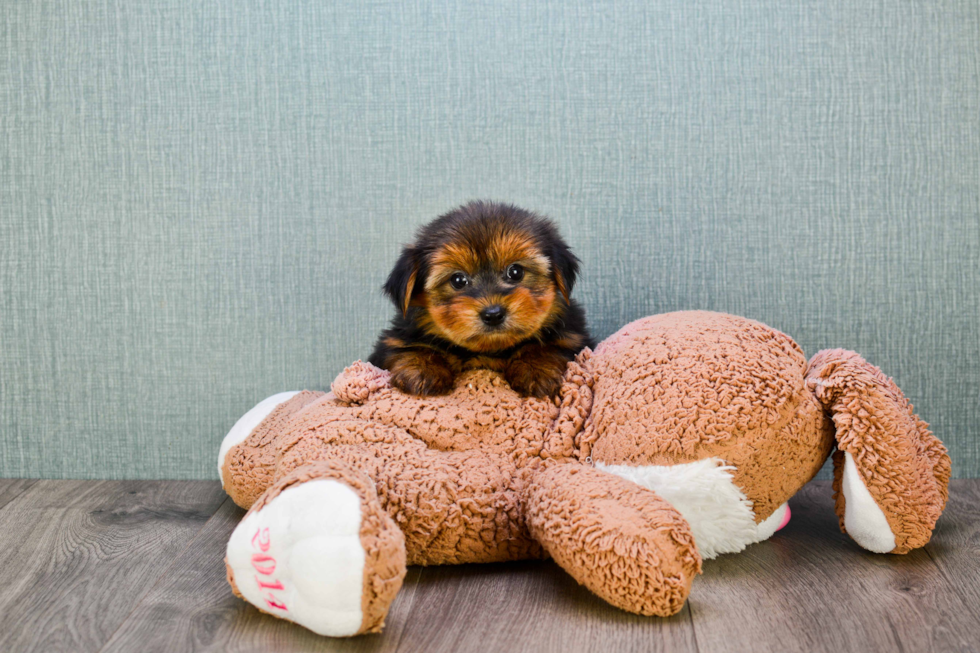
(484, 276)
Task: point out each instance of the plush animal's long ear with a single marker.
(403, 278)
(564, 267)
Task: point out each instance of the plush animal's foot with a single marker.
(860, 515)
(247, 457)
(317, 549)
(247, 423)
(891, 474)
(864, 521)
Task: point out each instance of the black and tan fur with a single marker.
(443, 327)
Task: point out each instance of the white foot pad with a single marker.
(247, 423)
(863, 519)
(301, 558)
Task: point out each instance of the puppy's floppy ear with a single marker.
(403, 279)
(564, 267)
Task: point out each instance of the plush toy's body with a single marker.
(680, 438)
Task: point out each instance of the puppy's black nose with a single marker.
(493, 315)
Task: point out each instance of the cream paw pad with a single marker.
(319, 552)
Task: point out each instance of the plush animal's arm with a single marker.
(890, 473)
(620, 540)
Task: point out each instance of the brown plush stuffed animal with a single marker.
(680, 437)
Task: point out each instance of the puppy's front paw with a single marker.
(536, 371)
(422, 372)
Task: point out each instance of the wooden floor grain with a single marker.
(955, 546)
(192, 608)
(810, 588)
(11, 488)
(137, 566)
(79, 555)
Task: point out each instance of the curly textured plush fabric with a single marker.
(596, 527)
(254, 466)
(484, 474)
(904, 466)
(686, 386)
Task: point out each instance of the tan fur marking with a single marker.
(570, 341)
(458, 318)
(529, 310)
(409, 287)
(456, 256)
(560, 282)
(509, 247)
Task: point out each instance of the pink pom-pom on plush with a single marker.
(785, 519)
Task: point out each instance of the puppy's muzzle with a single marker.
(493, 315)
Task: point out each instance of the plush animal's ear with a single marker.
(403, 278)
(564, 267)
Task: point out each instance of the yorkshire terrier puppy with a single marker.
(486, 285)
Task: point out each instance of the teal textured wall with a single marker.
(199, 201)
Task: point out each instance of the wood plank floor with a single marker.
(137, 566)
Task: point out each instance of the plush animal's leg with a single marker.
(890, 473)
(620, 540)
(326, 545)
(453, 507)
(318, 549)
(247, 457)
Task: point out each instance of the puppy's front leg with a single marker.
(422, 371)
(536, 370)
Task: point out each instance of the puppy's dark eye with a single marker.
(459, 280)
(514, 273)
